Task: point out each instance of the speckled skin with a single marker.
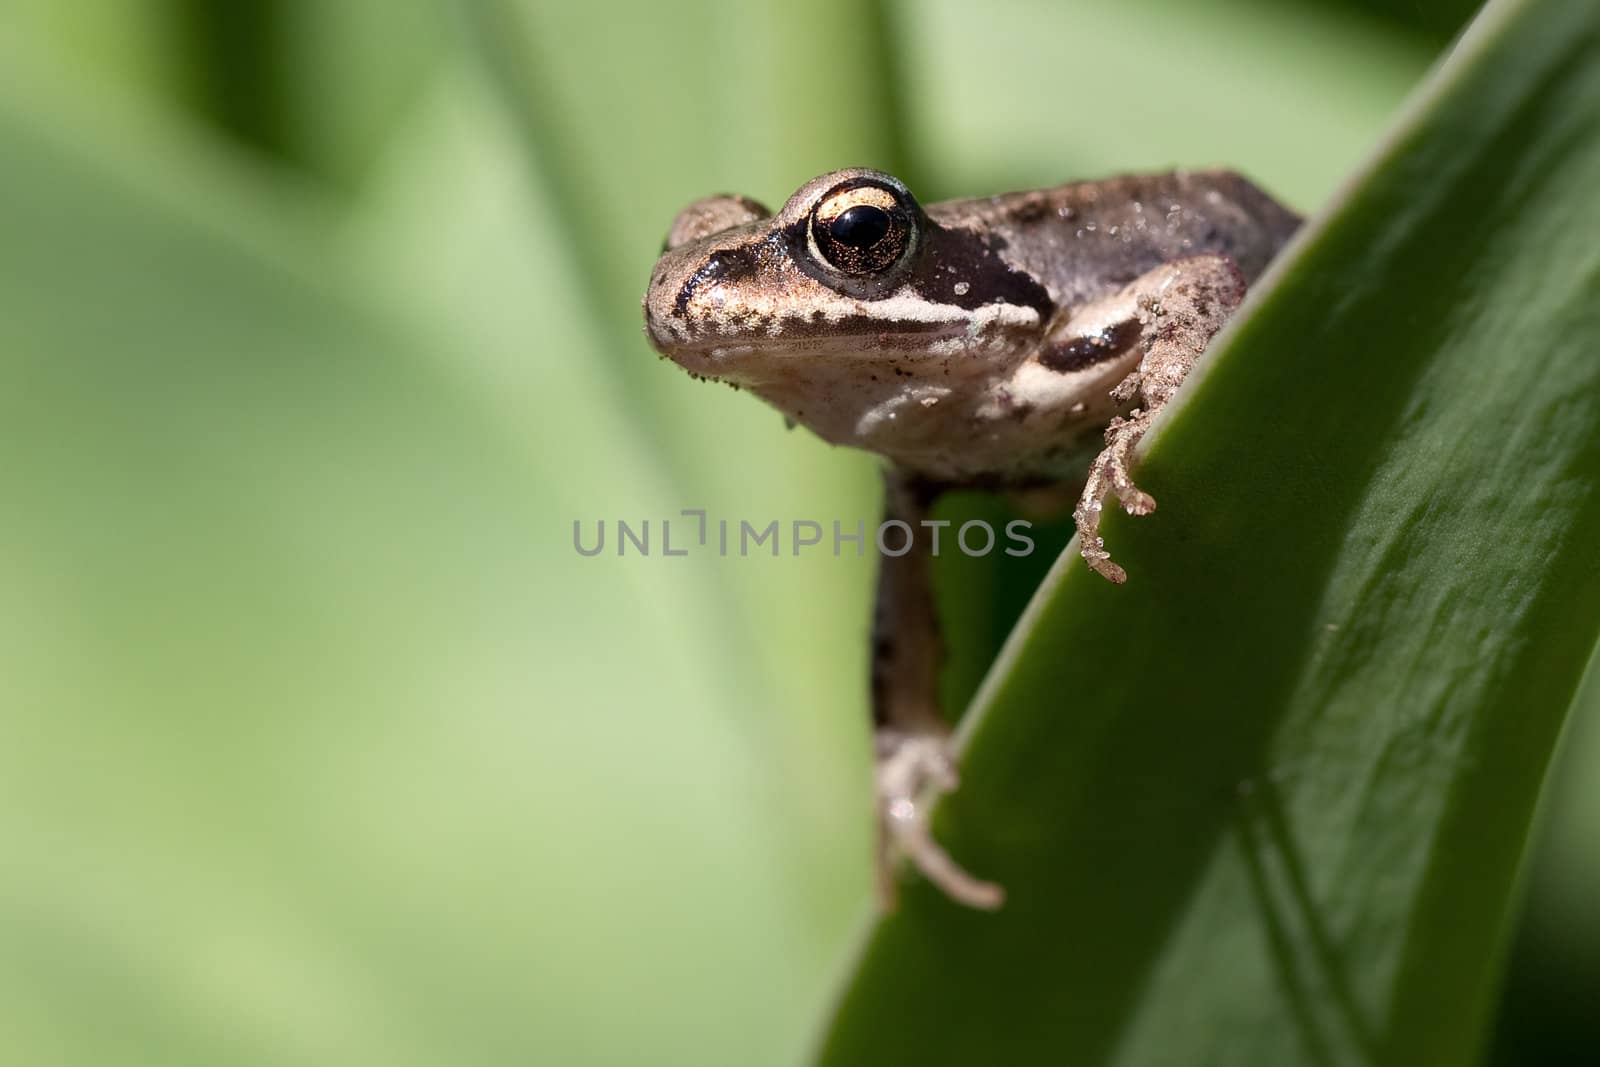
(921, 364)
(1086, 240)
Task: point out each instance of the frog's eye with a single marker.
(861, 229)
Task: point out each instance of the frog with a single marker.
(1007, 342)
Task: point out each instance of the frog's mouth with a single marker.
(763, 367)
(784, 342)
(747, 348)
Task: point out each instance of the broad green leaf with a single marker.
(1265, 804)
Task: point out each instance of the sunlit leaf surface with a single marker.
(1264, 804)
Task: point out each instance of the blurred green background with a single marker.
(319, 328)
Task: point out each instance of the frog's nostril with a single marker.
(725, 266)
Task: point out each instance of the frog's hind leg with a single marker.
(1180, 306)
(914, 761)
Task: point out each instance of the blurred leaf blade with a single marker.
(1024, 95)
(1547, 1014)
(619, 158)
(131, 47)
(1266, 803)
(300, 656)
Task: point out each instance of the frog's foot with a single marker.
(913, 770)
(1109, 475)
(1180, 306)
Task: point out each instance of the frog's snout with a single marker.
(702, 296)
(667, 318)
(707, 259)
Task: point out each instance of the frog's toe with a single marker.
(1135, 501)
(1099, 561)
(1109, 476)
(910, 777)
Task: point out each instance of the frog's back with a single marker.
(1088, 239)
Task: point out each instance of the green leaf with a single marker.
(1553, 967)
(1265, 804)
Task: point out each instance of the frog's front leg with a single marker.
(914, 761)
(1179, 307)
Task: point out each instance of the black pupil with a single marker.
(860, 227)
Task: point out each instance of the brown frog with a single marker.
(1000, 342)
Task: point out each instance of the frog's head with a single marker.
(849, 277)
